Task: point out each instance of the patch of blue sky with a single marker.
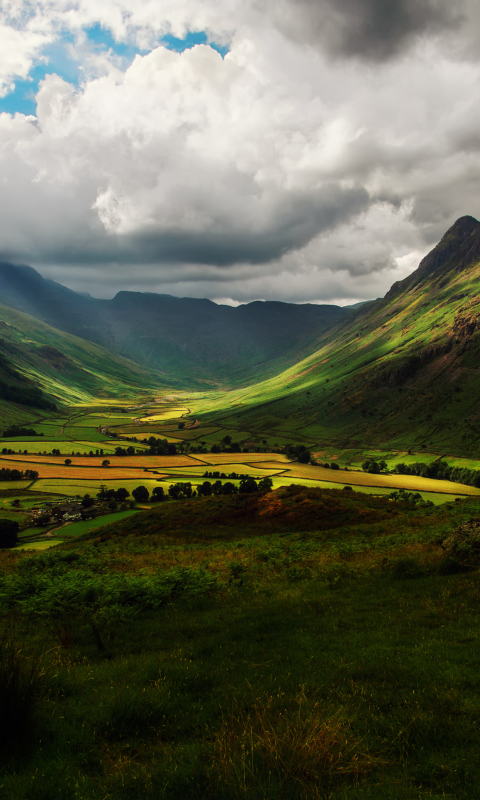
(59, 58)
(191, 39)
(55, 58)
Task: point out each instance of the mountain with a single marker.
(42, 367)
(403, 371)
(194, 342)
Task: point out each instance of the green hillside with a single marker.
(404, 372)
(196, 342)
(191, 652)
(66, 369)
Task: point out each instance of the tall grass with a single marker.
(20, 688)
(278, 749)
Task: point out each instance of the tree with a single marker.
(141, 494)
(248, 485)
(181, 426)
(8, 533)
(265, 485)
(88, 501)
(121, 494)
(304, 457)
(67, 462)
(105, 462)
(31, 474)
(112, 505)
(180, 490)
(158, 493)
(229, 488)
(204, 489)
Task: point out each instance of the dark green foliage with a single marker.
(8, 533)
(20, 688)
(248, 485)
(304, 457)
(371, 466)
(440, 470)
(18, 431)
(7, 474)
(141, 494)
(180, 490)
(407, 568)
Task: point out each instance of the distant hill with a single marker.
(42, 367)
(404, 371)
(194, 342)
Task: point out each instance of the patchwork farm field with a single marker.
(99, 430)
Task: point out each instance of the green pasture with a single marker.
(45, 544)
(85, 526)
(4, 485)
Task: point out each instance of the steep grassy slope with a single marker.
(403, 371)
(196, 342)
(68, 369)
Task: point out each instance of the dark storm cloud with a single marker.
(294, 222)
(375, 30)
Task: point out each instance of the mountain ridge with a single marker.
(195, 341)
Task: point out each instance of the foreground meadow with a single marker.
(299, 644)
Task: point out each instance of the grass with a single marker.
(335, 664)
(45, 544)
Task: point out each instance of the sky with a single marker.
(294, 150)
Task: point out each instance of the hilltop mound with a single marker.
(291, 508)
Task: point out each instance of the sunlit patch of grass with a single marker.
(287, 747)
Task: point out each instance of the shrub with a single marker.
(20, 688)
(407, 568)
(8, 533)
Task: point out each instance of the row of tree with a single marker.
(182, 490)
(14, 431)
(440, 470)
(7, 474)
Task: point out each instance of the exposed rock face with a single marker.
(465, 325)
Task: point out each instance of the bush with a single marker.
(407, 568)
(8, 533)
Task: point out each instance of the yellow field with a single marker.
(74, 472)
(245, 458)
(240, 469)
(170, 413)
(117, 462)
(410, 482)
